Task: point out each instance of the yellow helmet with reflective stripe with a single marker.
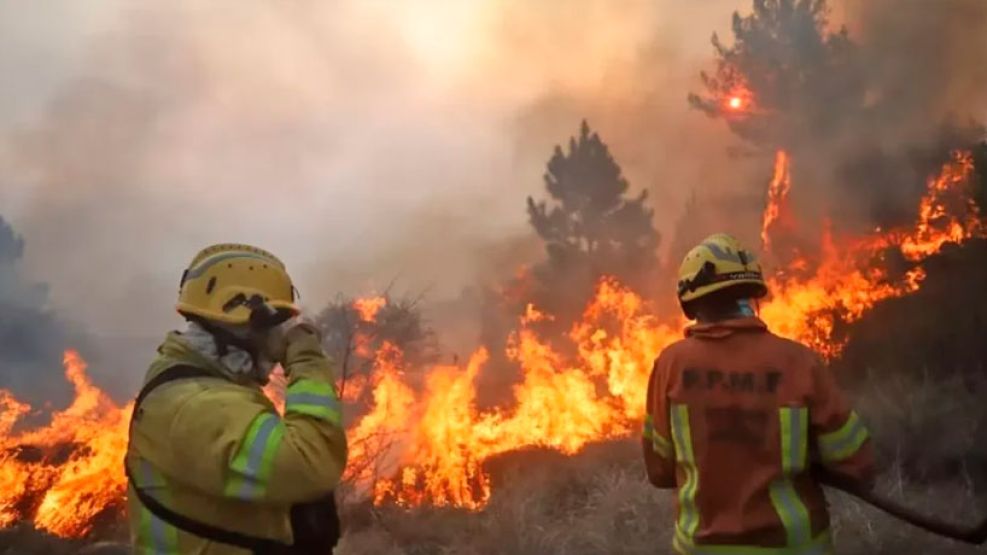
(717, 263)
(227, 283)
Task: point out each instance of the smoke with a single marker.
(31, 338)
(361, 141)
(868, 111)
(925, 72)
(373, 142)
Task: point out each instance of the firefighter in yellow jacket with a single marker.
(213, 468)
(737, 417)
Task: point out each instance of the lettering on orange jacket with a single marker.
(709, 379)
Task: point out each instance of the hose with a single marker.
(975, 535)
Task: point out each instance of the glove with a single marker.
(303, 351)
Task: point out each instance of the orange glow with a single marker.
(739, 100)
(368, 307)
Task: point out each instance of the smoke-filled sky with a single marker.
(363, 141)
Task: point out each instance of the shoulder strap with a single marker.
(178, 372)
(257, 546)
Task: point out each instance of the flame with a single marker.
(368, 307)
(851, 276)
(438, 440)
(778, 190)
(275, 388)
(939, 224)
(619, 356)
(423, 439)
(64, 497)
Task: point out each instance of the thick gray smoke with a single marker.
(31, 338)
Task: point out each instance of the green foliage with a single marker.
(590, 226)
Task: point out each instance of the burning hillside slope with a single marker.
(426, 442)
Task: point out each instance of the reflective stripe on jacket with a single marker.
(216, 451)
(735, 416)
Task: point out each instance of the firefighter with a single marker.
(213, 468)
(737, 418)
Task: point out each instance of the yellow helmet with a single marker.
(717, 263)
(228, 282)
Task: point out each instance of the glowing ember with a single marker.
(739, 100)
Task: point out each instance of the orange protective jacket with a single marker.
(736, 416)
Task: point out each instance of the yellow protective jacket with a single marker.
(215, 450)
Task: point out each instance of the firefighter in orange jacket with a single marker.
(737, 417)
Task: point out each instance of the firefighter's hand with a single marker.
(301, 341)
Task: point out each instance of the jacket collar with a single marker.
(177, 349)
(726, 328)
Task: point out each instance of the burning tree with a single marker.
(356, 330)
(592, 228)
(791, 81)
(769, 84)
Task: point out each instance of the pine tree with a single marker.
(590, 226)
(788, 74)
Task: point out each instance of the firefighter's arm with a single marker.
(232, 443)
(839, 435)
(659, 455)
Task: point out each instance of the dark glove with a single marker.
(315, 526)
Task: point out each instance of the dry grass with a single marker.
(584, 506)
(928, 433)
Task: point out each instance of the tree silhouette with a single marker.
(589, 225)
(354, 341)
(790, 82)
(31, 339)
(785, 76)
